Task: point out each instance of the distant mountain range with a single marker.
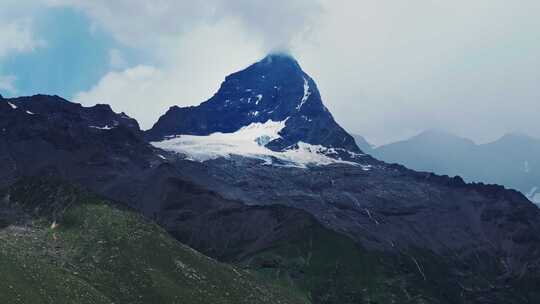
(280, 202)
(512, 161)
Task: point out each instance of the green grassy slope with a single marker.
(102, 254)
(329, 268)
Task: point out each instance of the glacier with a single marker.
(250, 141)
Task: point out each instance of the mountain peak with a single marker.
(274, 89)
(279, 58)
(440, 136)
(436, 133)
(274, 68)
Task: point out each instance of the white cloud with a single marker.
(127, 91)
(141, 23)
(196, 66)
(17, 37)
(17, 28)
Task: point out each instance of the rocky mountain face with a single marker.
(49, 135)
(513, 160)
(352, 231)
(391, 209)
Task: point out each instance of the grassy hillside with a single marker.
(329, 268)
(59, 244)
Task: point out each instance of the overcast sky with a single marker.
(386, 69)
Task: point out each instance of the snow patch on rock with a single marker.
(102, 128)
(534, 196)
(307, 93)
(259, 97)
(250, 141)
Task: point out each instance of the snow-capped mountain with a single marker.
(270, 110)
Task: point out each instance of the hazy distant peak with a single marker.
(513, 136)
(441, 136)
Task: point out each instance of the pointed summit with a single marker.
(275, 89)
(278, 63)
(280, 58)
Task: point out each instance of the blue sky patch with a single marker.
(74, 58)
